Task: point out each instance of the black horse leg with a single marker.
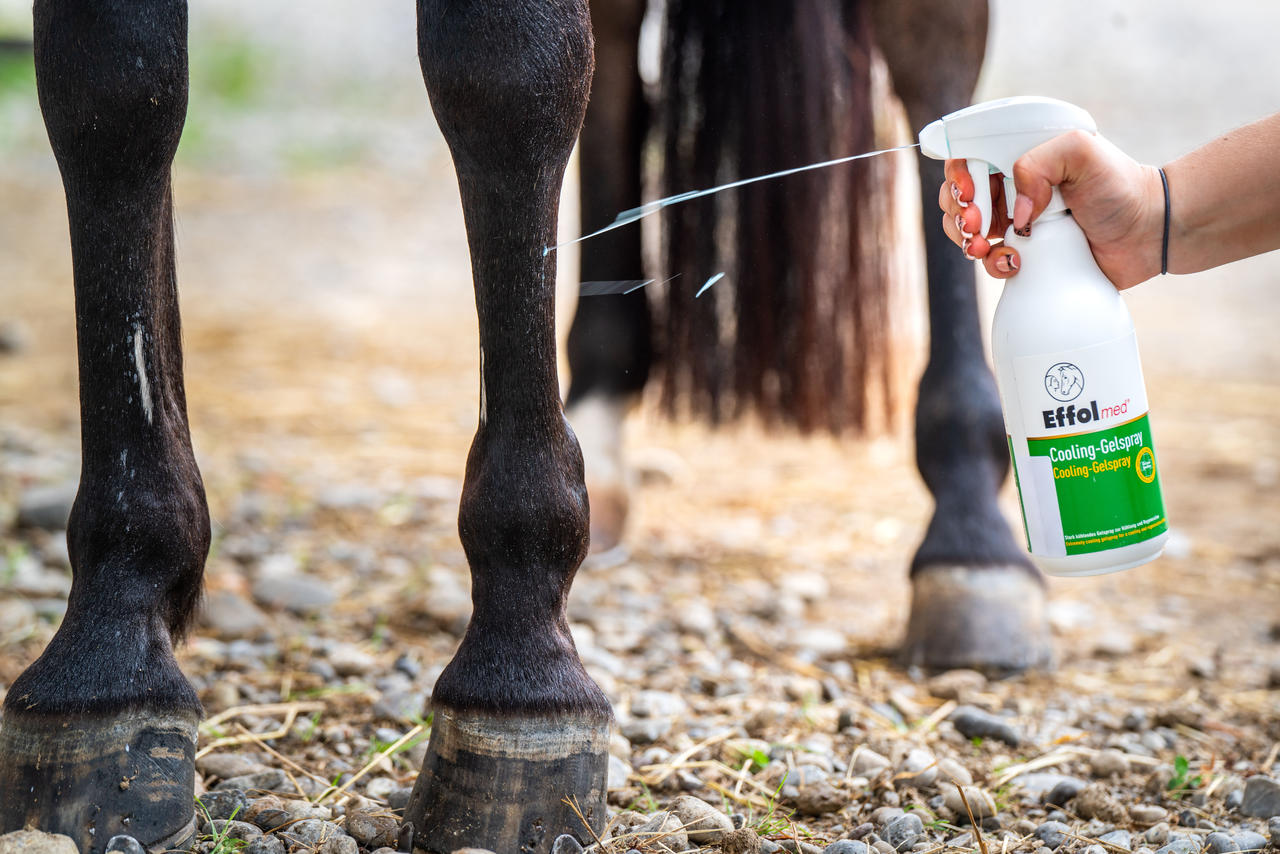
(609, 345)
(99, 733)
(976, 599)
(519, 726)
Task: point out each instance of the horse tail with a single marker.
(798, 331)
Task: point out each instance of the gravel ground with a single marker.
(745, 635)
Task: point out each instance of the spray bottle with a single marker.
(1066, 361)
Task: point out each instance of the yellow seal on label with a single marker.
(1144, 463)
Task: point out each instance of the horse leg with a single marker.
(609, 344)
(976, 599)
(98, 734)
(519, 727)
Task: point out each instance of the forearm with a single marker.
(1225, 199)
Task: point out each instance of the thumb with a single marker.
(1035, 174)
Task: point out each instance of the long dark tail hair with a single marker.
(798, 330)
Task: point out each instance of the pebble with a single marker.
(311, 832)
(645, 730)
(669, 827)
(1064, 790)
(868, 763)
(339, 844)
(918, 768)
(1109, 763)
(1181, 845)
(566, 844)
(1261, 797)
(1273, 829)
(36, 842)
(883, 847)
(232, 829)
(795, 847)
(972, 722)
(1052, 833)
(349, 660)
(956, 684)
(229, 616)
(741, 841)
(819, 799)
(293, 592)
(227, 765)
(47, 507)
(904, 831)
(1220, 843)
(373, 828)
(703, 823)
(230, 803)
(1147, 813)
(1248, 840)
(951, 771)
(981, 804)
(268, 843)
(1118, 838)
(847, 846)
(1157, 834)
(1095, 801)
(883, 816)
(658, 704)
(619, 773)
(270, 779)
(126, 844)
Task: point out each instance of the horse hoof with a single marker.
(990, 619)
(508, 784)
(597, 423)
(92, 777)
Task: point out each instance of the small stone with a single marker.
(883, 847)
(471, 851)
(402, 705)
(36, 842)
(847, 846)
(1095, 801)
(1024, 827)
(1118, 838)
(224, 804)
(373, 828)
(868, 763)
(819, 799)
(126, 844)
(270, 819)
(266, 844)
(47, 507)
(311, 832)
(956, 684)
(1094, 849)
(1109, 763)
(883, 816)
(904, 832)
(741, 841)
(13, 337)
(1157, 834)
(1247, 840)
(795, 847)
(566, 844)
(1147, 813)
(951, 771)
(645, 730)
(339, 843)
(399, 798)
(1234, 799)
(1181, 845)
(294, 592)
(703, 823)
(271, 780)
(619, 773)
(972, 722)
(1064, 790)
(1052, 833)
(667, 826)
(349, 660)
(1158, 780)
(981, 804)
(1261, 797)
(1220, 843)
(224, 766)
(1273, 828)
(230, 616)
(236, 830)
(918, 768)
(658, 704)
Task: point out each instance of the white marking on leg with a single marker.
(144, 387)
(484, 403)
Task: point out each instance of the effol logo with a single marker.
(1064, 381)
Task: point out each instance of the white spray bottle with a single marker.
(1066, 361)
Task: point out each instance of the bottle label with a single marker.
(1086, 472)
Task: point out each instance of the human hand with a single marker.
(1117, 202)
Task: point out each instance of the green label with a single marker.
(1107, 484)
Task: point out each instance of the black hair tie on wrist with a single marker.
(1168, 215)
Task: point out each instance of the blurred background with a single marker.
(331, 368)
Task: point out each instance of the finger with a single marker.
(1002, 262)
(959, 183)
(1044, 167)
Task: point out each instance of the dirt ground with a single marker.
(331, 346)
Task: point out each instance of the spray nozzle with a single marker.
(994, 134)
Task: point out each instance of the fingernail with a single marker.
(1006, 264)
(964, 247)
(1025, 231)
(1022, 212)
(955, 194)
(960, 225)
